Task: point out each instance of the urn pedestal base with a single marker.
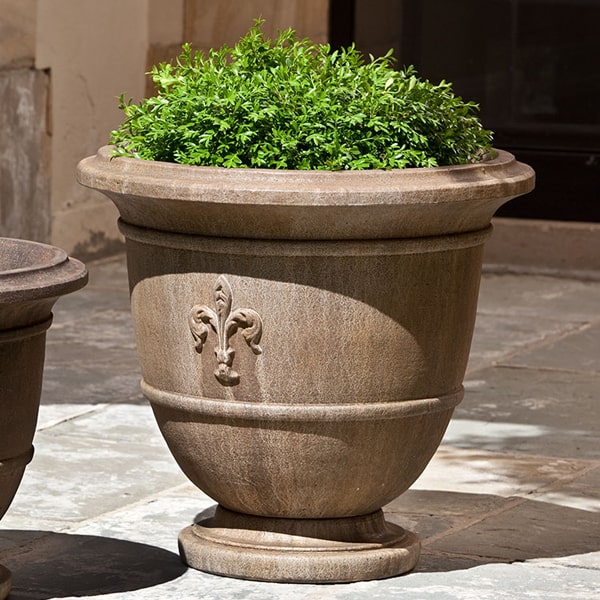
(298, 550)
(4, 582)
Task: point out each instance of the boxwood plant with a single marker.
(288, 103)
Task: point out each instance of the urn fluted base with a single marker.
(348, 549)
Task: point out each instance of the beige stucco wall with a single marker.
(63, 63)
(97, 50)
(24, 132)
(17, 33)
(91, 51)
(211, 23)
(94, 51)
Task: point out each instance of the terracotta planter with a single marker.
(32, 277)
(303, 338)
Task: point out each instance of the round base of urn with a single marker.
(348, 549)
(4, 582)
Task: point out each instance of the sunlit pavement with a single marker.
(508, 508)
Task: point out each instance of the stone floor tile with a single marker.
(528, 530)
(499, 337)
(539, 297)
(51, 415)
(67, 564)
(432, 513)
(485, 582)
(579, 352)
(78, 353)
(583, 492)
(517, 477)
(88, 476)
(109, 273)
(104, 330)
(11, 539)
(449, 504)
(90, 300)
(89, 385)
(163, 517)
(537, 411)
(117, 423)
(493, 473)
(589, 560)
(522, 438)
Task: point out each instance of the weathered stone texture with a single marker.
(24, 155)
(17, 33)
(366, 283)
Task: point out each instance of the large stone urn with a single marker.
(32, 277)
(303, 338)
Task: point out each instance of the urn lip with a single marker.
(32, 270)
(123, 174)
(24, 256)
(306, 205)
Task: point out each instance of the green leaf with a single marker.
(289, 103)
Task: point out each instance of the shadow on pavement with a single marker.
(58, 565)
(461, 530)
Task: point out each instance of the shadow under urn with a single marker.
(32, 277)
(303, 338)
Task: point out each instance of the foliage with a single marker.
(291, 104)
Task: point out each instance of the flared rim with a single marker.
(24, 256)
(501, 174)
(271, 204)
(32, 270)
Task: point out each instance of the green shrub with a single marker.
(291, 104)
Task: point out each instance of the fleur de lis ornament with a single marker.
(225, 323)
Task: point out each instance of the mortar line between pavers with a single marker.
(586, 467)
(575, 320)
(502, 360)
(515, 500)
(501, 365)
(548, 369)
(560, 481)
(74, 526)
(136, 399)
(532, 347)
(520, 456)
(511, 502)
(487, 559)
(58, 526)
(586, 463)
(25, 546)
(578, 275)
(71, 417)
(550, 562)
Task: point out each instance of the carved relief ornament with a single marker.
(225, 323)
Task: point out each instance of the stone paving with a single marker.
(508, 508)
